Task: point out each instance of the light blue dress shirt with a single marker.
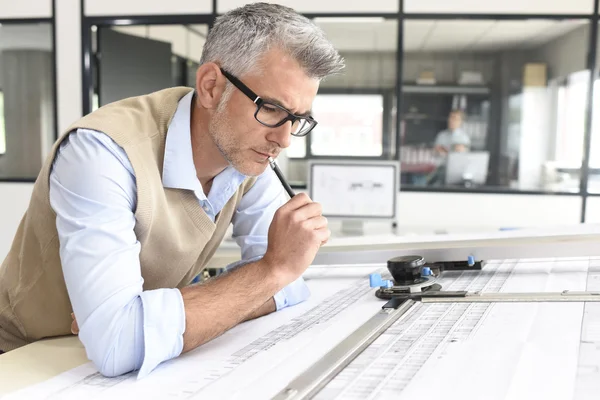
(93, 192)
(448, 139)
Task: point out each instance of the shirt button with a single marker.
(206, 208)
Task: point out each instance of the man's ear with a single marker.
(210, 85)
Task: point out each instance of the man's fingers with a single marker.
(74, 326)
(317, 222)
(299, 200)
(323, 235)
(307, 212)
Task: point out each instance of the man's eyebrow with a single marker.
(278, 103)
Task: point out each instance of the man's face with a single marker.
(454, 121)
(242, 140)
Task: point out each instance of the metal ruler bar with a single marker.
(323, 371)
(587, 383)
(311, 381)
(476, 297)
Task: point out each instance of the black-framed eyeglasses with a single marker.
(273, 115)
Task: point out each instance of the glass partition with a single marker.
(136, 60)
(355, 108)
(494, 104)
(27, 109)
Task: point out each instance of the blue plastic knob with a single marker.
(426, 271)
(375, 280)
(471, 261)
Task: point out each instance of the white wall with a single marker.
(146, 7)
(25, 8)
(421, 211)
(14, 199)
(505, 6)
(536, 137)
(68, 62)
(315, 6)
(428, 213)
(592, 211)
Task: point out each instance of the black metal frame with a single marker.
(587, 139)
(86, 40)
(401, 16)
(52, 21)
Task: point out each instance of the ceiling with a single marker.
(444, 35)
(484, 35)
(504, 6)
(377, 34)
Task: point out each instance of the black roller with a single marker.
(406, 270)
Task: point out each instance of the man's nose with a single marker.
(282, 135)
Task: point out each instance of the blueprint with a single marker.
(450, 350)
(488, 351)
(246, 353)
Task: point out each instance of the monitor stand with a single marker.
(352, 227)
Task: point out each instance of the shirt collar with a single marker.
(179, 171)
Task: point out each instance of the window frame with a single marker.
(51, 21)
(386, 138)
(391, 144)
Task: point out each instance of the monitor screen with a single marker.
(355, 189)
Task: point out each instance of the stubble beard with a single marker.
(221, 132)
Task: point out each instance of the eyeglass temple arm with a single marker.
(238, 84)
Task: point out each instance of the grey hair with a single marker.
(239, 39)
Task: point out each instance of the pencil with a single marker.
(286, 185)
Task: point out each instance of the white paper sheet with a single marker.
(480, 351)
(222, 368)
(450, 351)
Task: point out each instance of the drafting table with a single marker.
(458, 350)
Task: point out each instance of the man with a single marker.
(454, 138)
(135, 198)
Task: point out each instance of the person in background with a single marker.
(134, 199)
(453, 138)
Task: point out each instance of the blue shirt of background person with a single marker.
(454, 138)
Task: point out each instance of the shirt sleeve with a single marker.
(440, 140)
(122, 327)
(251, 223)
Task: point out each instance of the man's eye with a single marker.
(270, 109)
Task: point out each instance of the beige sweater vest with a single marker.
(177, 237)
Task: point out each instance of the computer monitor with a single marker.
(466, 168)
(355, 191)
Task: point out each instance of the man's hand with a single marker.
(440, 150)
(74, 326)
(297, 231)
